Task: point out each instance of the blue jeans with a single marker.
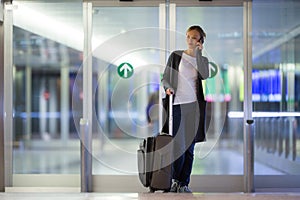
(184, 131)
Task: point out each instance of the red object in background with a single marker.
(46, 95)
(81, 95)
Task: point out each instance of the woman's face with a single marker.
(192, 39)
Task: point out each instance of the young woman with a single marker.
(182, 77)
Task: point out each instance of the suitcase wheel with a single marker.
(152, 190)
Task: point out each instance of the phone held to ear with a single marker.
(201, 40)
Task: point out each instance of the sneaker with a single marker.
(184, 189)
(174, 186)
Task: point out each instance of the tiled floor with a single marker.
(148, 196)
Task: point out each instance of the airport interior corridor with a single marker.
(81, 87)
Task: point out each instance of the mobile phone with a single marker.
(201, 40)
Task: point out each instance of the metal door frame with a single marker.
(7, 111)
(2, 160)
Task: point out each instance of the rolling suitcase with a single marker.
(145, 160)
(155, 159)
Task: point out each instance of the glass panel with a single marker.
(47, 54)
(276, 86)
(123, 41)
(222, 152)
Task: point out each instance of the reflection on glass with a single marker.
(47, 54)
(275, 86)
(121, 101)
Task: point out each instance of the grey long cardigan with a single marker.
(170, 80)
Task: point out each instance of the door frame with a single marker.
(203, 183)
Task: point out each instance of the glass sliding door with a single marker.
(47, 52)
(142, 39)
(221, 157)
(222, 153)
(126, 74)
(121, 97)
(276, 84)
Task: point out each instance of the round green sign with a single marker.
(125, 70)
(213, 69)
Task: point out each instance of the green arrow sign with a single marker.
(125, 70)
(213, 69)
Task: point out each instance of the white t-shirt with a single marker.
(187, 76)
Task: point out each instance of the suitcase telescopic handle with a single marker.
(171, 114)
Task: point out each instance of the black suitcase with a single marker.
(145, 160)
(155, 160)
(162, 164)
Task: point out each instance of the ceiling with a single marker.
(61, 21)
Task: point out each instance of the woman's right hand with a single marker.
(169, 91)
